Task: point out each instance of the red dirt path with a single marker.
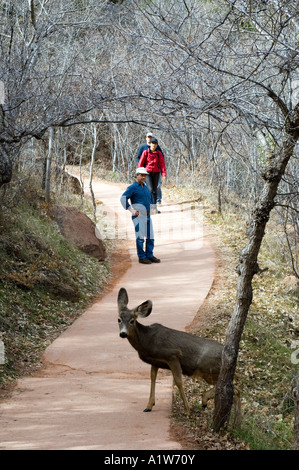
(93, 388)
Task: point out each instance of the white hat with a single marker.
(141, 170)
(149, 134)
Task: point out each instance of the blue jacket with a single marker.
(140, 196)
(145, 147)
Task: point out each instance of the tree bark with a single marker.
(246, 270)
(5, 166)
(48, 165)
(91, 170)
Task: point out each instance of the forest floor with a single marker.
(92, 388)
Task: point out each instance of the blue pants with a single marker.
(144, 231)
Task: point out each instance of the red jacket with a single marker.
(153, 162)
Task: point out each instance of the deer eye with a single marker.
(131, 321)
(119, 320)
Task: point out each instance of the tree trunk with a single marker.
(246, 270)
(5, 166)
(48, 165)
(91, 170)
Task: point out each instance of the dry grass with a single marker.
(264, 363)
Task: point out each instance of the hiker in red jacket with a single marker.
(153, 160)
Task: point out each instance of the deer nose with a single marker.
(123, 334)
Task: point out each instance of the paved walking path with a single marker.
(93, 388)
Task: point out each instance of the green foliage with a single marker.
(45, 283)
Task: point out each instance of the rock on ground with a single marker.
(78, 228)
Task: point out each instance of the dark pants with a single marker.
(152, 181)
(159, 190)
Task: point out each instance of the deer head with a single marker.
(127, 318)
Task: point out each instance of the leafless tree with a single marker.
(220, 79)
(232, 67)
(54, 67)
(287, 210)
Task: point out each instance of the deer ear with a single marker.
(122, 299)
(144, 309)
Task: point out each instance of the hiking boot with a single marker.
(145, 261)
(153, 259)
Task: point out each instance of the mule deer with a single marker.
(165, 348)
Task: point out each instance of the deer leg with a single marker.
(207, 395)
(151, 400)
(176, 370)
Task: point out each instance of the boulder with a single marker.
(79, 229)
